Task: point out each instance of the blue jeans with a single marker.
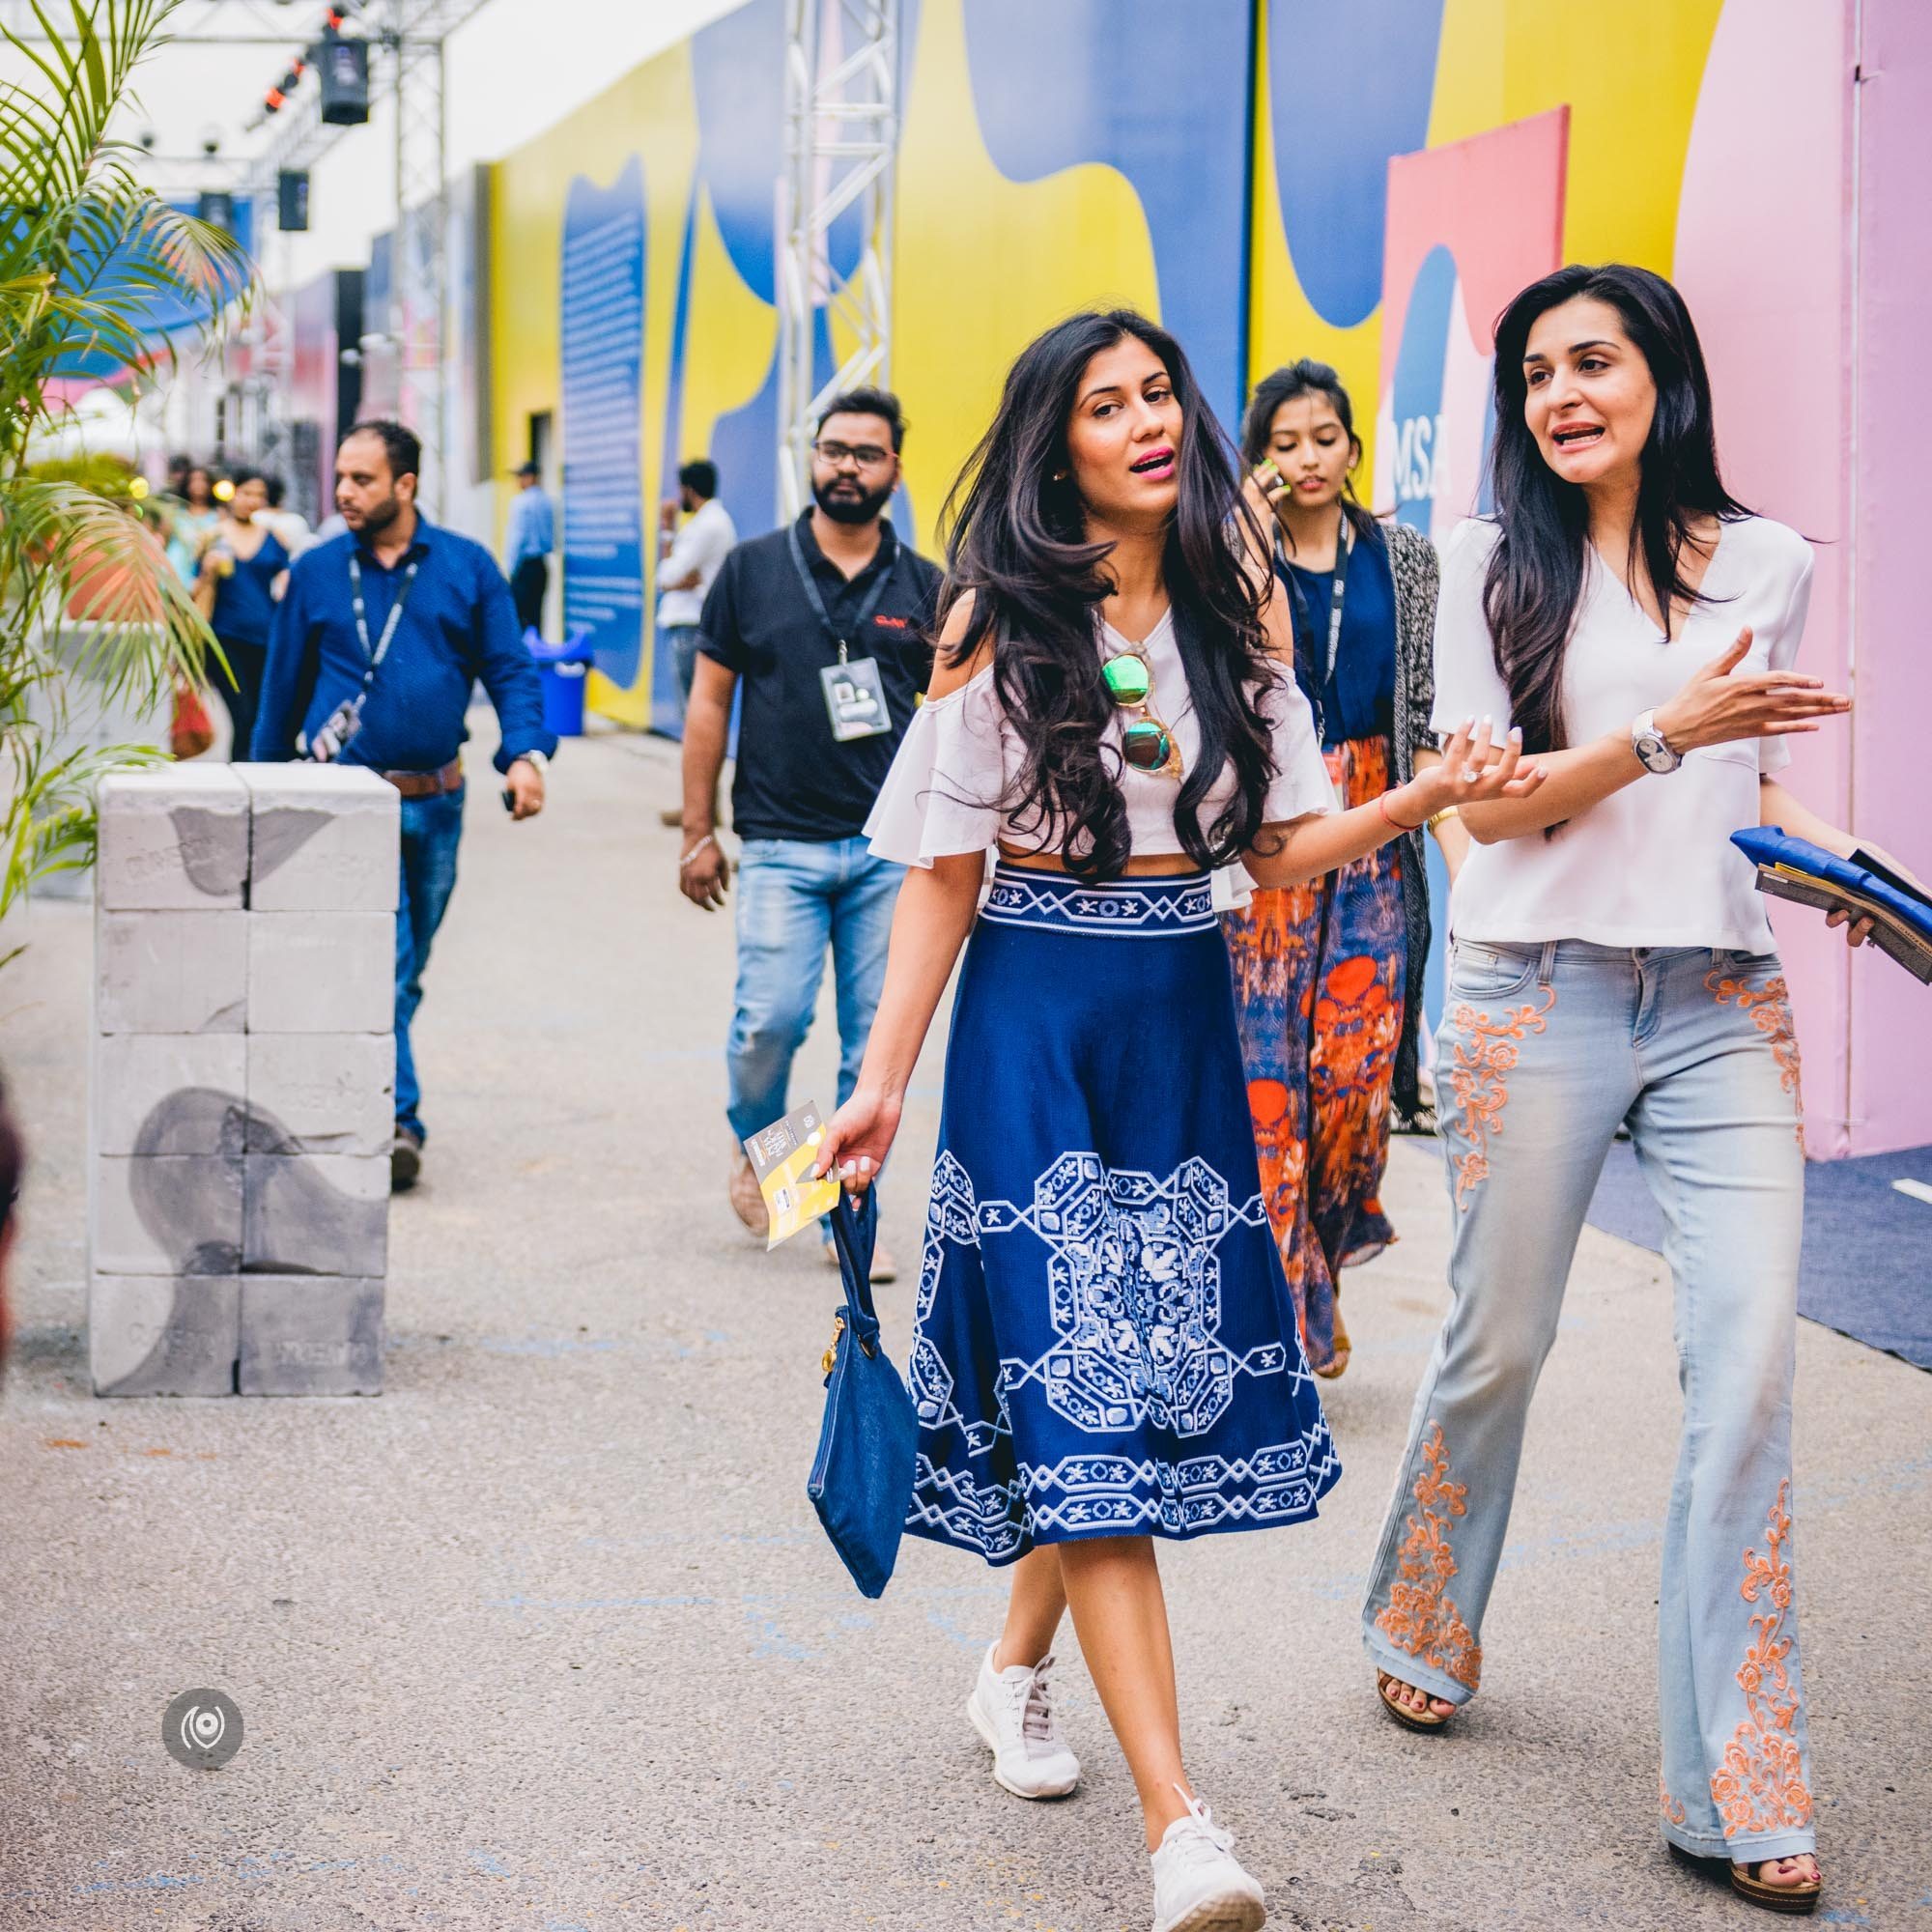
(1543, 1050)
(795, 897)
(681, 640)
(431, 828)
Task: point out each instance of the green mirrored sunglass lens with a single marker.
(1127, 679)
(1145, 747)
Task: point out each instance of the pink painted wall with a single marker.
(1892, 640)
(1804, 249)
(1761, 258)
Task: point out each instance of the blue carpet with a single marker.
(1867, 1267)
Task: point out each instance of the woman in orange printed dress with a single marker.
(1328, 975)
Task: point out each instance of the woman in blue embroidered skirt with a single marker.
(1106, 1346)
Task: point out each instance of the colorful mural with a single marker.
(1363, 185)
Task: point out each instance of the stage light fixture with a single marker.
(291, 201)
(344, 65)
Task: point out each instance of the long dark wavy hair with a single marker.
(1536, 569)
(1017, 537)
(1307, 378)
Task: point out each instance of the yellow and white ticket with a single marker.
(783, 1155)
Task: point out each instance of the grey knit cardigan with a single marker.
(1418, 577)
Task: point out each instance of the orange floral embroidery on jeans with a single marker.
(1420, 1617)
(1769, 1008)
(1672, 1810)
(1484, 1057)
(1760, 1784)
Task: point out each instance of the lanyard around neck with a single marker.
(375, 657)
(886, 559)
(1345, 542)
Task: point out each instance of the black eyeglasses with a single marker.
(867, 455)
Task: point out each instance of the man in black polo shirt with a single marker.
(828, 623)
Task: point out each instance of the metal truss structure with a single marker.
(841, 142)
(193, 24)
(408, 68)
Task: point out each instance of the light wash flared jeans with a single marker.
(1543, 1051)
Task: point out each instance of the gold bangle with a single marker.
(1435, 818)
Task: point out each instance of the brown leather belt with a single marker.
(428, 785)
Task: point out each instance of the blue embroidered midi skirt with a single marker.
(1106, 1345)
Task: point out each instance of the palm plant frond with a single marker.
(89, 257)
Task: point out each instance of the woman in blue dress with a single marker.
(1106, 1347)
(1328, 974)
(242, 569)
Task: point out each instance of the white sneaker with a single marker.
(1198, 1886)
(1012, 1710)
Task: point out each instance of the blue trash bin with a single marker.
(563, 668)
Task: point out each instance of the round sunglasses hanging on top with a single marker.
(1146, 742)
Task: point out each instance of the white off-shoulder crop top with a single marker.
(960, 756)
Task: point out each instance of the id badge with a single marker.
(1337, 776)
(855, 699)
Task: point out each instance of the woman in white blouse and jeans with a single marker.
(1106, 1347)
(1612, 962)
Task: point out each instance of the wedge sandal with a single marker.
(1795, 1898)
(1798, 1899)
(1409, 1720)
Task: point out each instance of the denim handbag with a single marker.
(861, 1477)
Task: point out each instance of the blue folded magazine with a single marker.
(1796, 869)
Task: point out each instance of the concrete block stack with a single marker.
(242, 1081)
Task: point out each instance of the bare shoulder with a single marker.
(948, 677)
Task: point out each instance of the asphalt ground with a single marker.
(547, 1636)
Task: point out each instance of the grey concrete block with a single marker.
(326, 971)
(321, 1093)
(315, 1214)
(154, 1335)
(172, 1215)
(170, 972)
(309, 1335)
(324, 839)
(142, 1087)
(174, 838)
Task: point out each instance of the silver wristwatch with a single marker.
(1647, 742)
(534, 759)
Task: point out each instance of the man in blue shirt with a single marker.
(388, 686)
(526, 553)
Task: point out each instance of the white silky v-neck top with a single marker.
(960, 756)
(1652, 864)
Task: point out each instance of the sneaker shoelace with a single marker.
(1199, 1841)
(1035, 1696)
